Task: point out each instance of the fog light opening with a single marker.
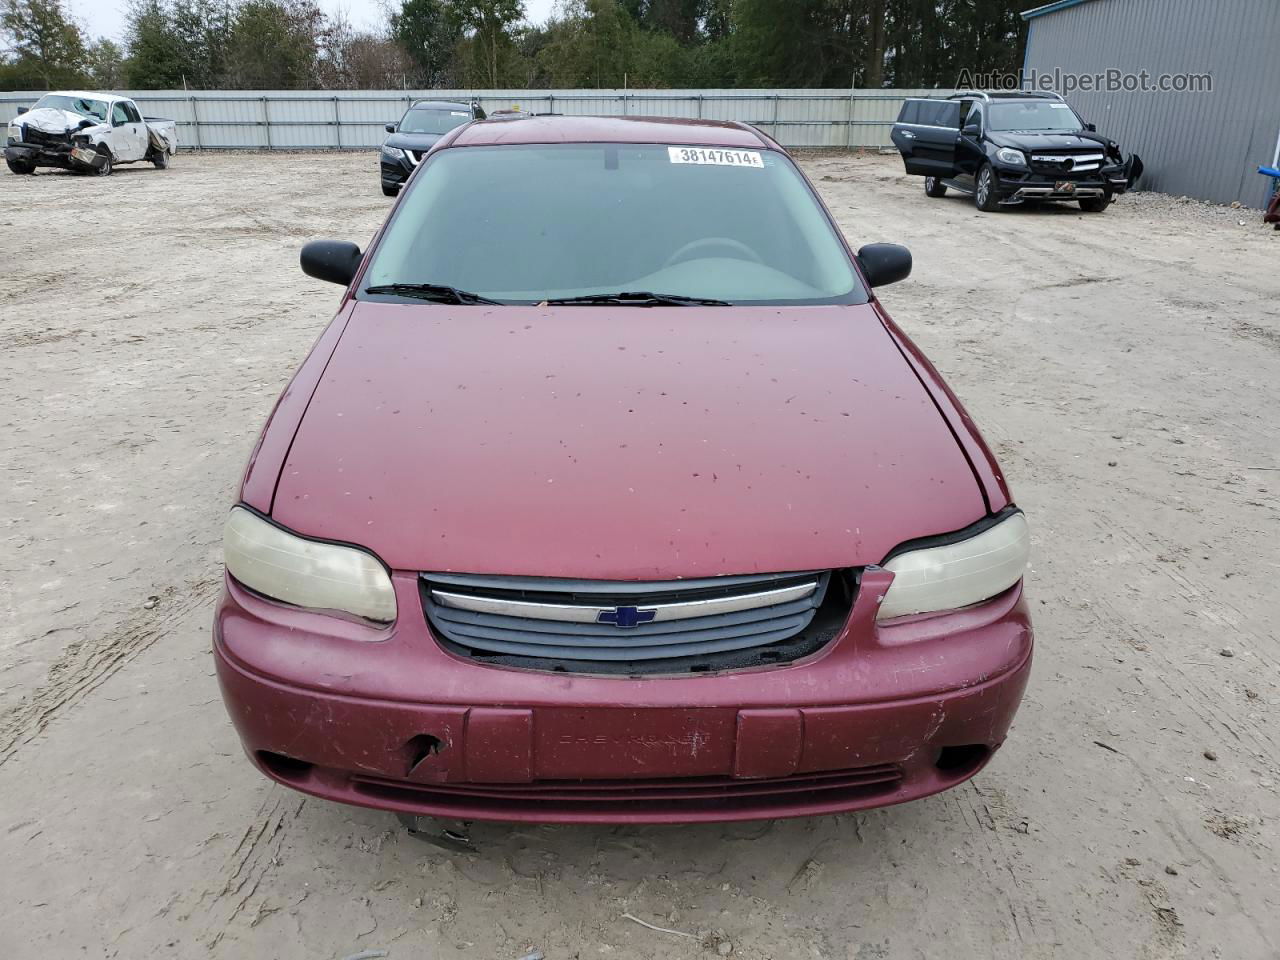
(958, 761)
(286, 768)
(421, 748)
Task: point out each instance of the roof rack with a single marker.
(1004, 95)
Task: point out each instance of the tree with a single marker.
(488, 23)
(429, 32)
(47, 47)
(681, 19)
(598, 43)
(357, 59)
(202, 29)
(155, 60)
(588, 45)
(873, 66)
(274, 44)
(105, 64)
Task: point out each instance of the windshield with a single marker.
(433, 121)
(1032, 115)
(530, 223)
(81, 105)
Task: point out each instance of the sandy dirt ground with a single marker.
(1123, 366)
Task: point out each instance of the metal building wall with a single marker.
(354, 119)
(1204, 145)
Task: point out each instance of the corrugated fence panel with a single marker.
(354, 119)
(1201, 144)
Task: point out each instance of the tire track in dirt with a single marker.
(244, 869)
(1033, 922)
(86, 663)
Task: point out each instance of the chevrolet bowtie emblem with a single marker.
(625, 616)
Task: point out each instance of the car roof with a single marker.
(85, 95)
(558, 129)
(439, 105)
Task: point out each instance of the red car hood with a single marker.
(622, 443)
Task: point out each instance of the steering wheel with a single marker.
(726, 243)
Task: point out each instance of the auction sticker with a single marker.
(715, 156)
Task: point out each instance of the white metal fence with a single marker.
(354, 119)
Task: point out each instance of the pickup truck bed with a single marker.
(162, 133)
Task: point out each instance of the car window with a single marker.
(1033, 116)
(118, 115)
(940, 113)
(81, 105)
(419, 120)
(526, 223)
(974, 115)
(910, 112)
(132, 113)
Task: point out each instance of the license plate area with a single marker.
(1064, 186)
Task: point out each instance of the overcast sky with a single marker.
(105, 18)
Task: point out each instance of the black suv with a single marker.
(1007, 148)
(425, 122)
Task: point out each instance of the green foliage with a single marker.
(274, 45)
(486, 43)
(488, 51)
(429, 31)
(105, 65)
(155, 60)
(203, 30)
(46, 47)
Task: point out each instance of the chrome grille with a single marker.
(1068, 163)
(578, 624)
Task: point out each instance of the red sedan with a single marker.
(613, 494)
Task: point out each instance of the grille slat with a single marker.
(575, 624)
(702, 647)
(630, 642)
(566, 633)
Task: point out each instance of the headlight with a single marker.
(954, 575)
(1012, 157)
(394, 154)
(306, 573)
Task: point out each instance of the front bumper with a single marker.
(1018, 183)
(394, 174)
(390, 720)
(69, 157)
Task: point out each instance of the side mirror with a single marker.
(335, 261)
(972, 130)
(1091, 127)
(85, 123)
(22, 110)
(391, 128)
(884, 263)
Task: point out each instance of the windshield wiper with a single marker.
(435, 292)
(640, 298)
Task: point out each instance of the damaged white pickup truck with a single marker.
(87, 132)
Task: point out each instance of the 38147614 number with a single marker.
(717, 156)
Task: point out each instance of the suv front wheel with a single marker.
(986, 193)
